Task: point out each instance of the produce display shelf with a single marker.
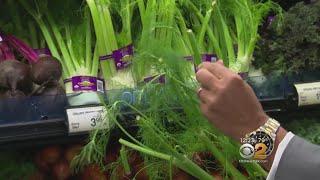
(45, 132)
(29, 134)
(45, 122)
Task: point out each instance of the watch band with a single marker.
(264, 139)
(270, 127)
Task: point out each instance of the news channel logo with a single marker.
(253, 152)
(247, 151)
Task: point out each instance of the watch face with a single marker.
(262, 143)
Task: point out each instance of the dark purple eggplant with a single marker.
(47, 70)
(15, 75)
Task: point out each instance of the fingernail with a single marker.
(199, 91)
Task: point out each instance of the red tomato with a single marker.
(72, 151)
(93, 172)
(41, 165)
(181, 175)
(51, 154)
(216, 175)
(61, 170)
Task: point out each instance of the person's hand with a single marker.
(227, 101)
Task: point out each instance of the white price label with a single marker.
(87, 119)
(308, 93)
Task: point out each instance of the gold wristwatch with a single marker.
(263, 138)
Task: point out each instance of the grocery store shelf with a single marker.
(42, 120)
(35, 133)
(43, 132)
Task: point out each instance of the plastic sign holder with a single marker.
(85, 119)
(308, 93)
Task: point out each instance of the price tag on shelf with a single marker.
(308, 93)
(85, 119)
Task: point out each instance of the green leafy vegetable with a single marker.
(232, 29)
(164, 130)
(308, 128)
(70, 39)
(296, 46)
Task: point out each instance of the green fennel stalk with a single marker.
(105, 34)
(165, 132)
(65, 38)
(36, 14)
(233, 28)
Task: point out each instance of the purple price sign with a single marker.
(87, 83)
(209, 58)
(204, 58)
(123, 57)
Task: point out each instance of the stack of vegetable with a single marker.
(289, 3)
(166, 135)
(162, 32)
(114, 28)
(231, 28)
(72, 42)
(25, 69)
(287, 49)
(49, 162)
(54, 162)
(40, 76)
(308, 128)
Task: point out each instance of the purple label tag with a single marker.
(123, 57)
(86, 83)
(44, 51)
(243, 75)
(270, 20)
(161, 79)
(209, 58)
(204, 58)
